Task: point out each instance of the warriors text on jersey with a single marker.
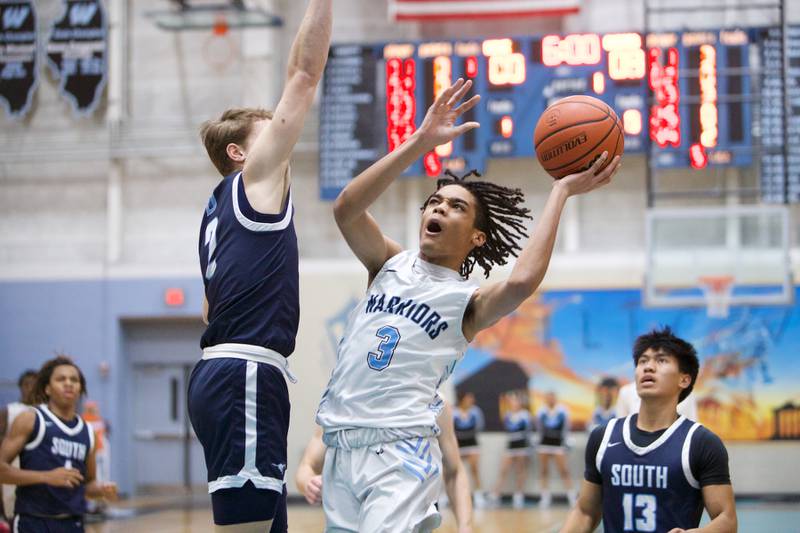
(54, 444)
(401, 342)
(249, 262)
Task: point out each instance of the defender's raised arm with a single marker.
(266, 163)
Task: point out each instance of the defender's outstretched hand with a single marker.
(592, 178)
(439, 126)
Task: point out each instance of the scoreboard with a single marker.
(685, 96)
(780, 127)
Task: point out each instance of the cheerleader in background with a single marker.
(518, 424)
(468, 421)
(552, 424)
(607, 391)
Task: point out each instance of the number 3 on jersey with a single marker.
(382, 357)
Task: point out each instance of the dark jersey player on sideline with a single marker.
(238, 398)
(56, 454)
(656, 471)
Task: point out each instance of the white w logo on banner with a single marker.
(81, 14)
(13, 17)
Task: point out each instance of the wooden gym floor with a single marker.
(189, 515)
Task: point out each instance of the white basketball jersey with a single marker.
(14, 409)
(401, 342)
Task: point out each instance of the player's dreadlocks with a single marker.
(499, 215)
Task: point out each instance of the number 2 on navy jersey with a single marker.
(211, 242)
(647, 502)
(382, 357)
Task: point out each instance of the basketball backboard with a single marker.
(198, 15)
(694, 253)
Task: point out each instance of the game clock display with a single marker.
(684, 95)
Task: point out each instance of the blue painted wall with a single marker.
(84, 319)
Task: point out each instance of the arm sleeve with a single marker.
(590, 473)
(709, 459)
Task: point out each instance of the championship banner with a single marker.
(18, 58)
(77, 53)
(422, 10)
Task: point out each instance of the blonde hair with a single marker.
(232, 127)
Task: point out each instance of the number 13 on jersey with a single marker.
(382, 357)
(648, 504)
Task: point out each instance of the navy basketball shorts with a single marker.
(239, 410)
(36, 524)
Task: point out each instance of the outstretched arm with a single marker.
(265, 167)
(492, 303)
(358, 227)
(308, 477)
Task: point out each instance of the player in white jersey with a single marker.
(26, 384)
(456, 482)
(382, 466)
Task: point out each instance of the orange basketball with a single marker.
(575, 131)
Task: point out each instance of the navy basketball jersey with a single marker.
(54, 444)
(467, 423)
(249, 263)
(652, 488)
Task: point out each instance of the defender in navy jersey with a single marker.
(420, 312)
(656, 471)
(56, 452)
(238, 396)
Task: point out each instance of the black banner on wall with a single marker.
(19, 73)
(77, 53)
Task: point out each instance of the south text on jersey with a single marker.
(69, 449)
(650, 476)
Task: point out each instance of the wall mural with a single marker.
(571, 341)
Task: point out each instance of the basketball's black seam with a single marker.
(621, 137)
(589, 151)
(616, 145)
(586, 153)
(561, 102)
(536, 146)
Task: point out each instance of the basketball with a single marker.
(573, 132)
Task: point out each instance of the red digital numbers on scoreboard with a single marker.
(576, 49)
(665, 119)
(401, 103)
(471, 67)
